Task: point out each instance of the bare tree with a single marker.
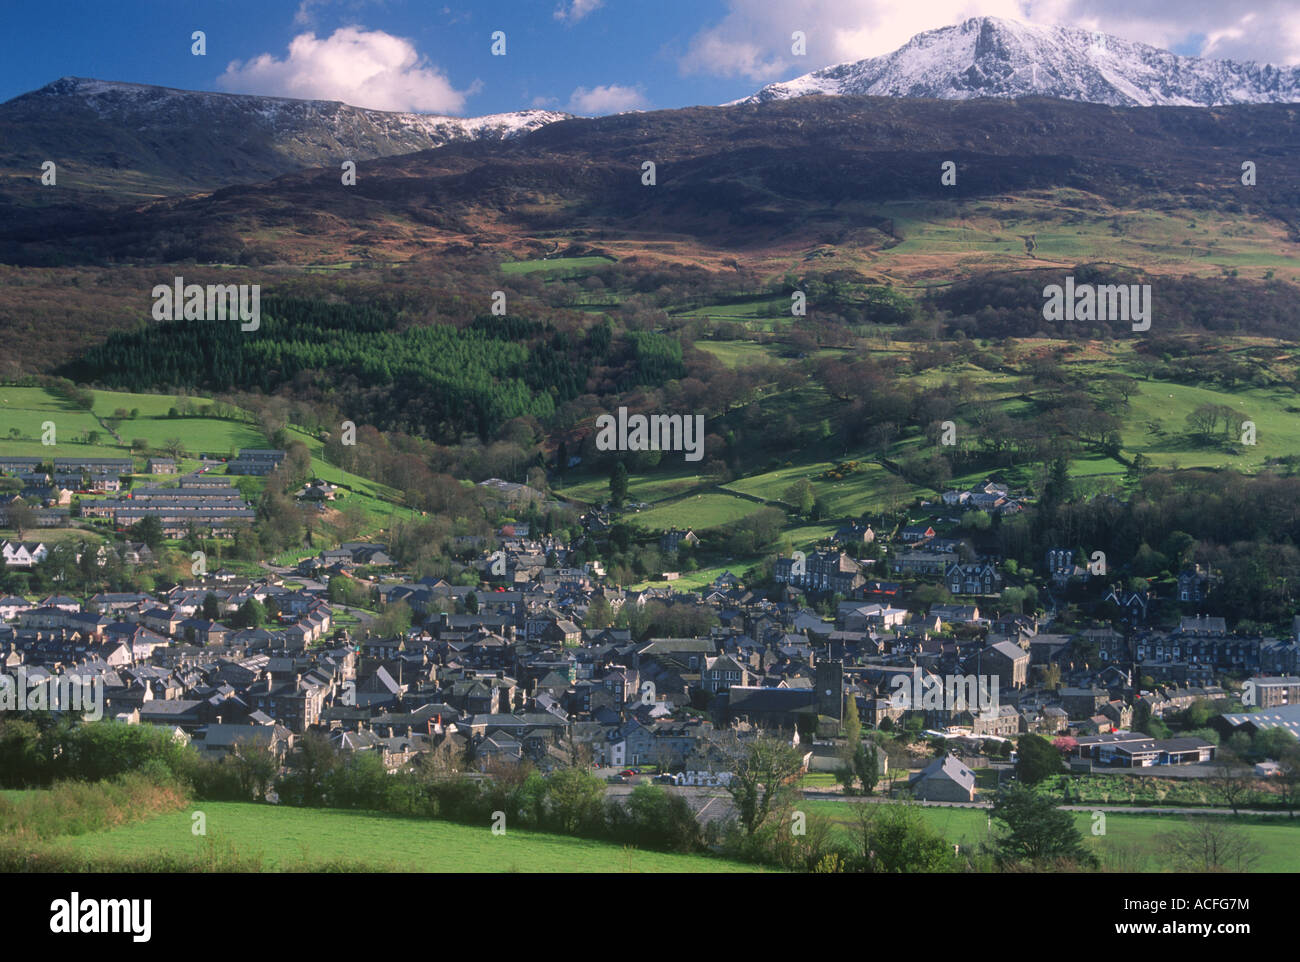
(1211, 844)
(1288, 780)
(579, 753)
(763, 785)
(1228, 782)
(439, 762)
(20, 517)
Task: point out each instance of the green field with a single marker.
(1131, 842)
(556, 264)
(295, 835)
(706, 510)
(23, 414)
(661, 486)
(1157, 424)
(206, 435)
(856, 494)
(695, 580)
(746, 353)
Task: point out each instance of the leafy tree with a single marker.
(851, 730)
(1036, 830)
(800, 496)
(600, 614)
(148, 529)
(866, 763)
(575, 799)
(1059, 487)
(897, 839)
(618, 484)
(1272, 743)
(1038, 759)
(254, 767)
(251, 614)
(345, 590)
(656, 819)
(313, 764)
(394, 620)
(211, 607)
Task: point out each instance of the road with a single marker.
(1132, 809)
(713, 804)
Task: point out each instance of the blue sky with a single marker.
(585, 56)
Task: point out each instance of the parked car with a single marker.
(616, 780)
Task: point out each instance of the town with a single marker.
(531, 657)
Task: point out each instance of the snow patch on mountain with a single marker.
(995, 57)
(143, 104)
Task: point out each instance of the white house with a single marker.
(23, 554)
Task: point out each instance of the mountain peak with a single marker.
(997, 57)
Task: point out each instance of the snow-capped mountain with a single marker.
(156, 106)
(126, 138)
(993, 57)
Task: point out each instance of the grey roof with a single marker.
(947, 767)
(769, 699)
(1286, 717)
(1008, 650)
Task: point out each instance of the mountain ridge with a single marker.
(1001, 58)
(117, 139)
(749, 181)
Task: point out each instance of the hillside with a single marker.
(764, 185)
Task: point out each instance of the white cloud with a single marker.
(753, 39)
(575, 10)
(609, 99)
(365, 68)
